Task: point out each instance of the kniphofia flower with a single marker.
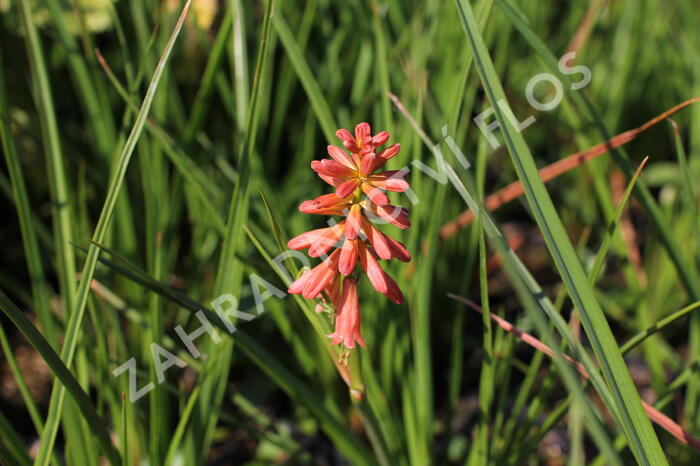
(359, 197)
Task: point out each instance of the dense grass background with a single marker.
(179, 152)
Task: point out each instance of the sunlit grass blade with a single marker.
(229, 271)
(515, 189)
(689, 188)
(306, 77)
(181, 425)
(62, 373)
(561, 360)
(380, 53)
(558, 413)
(124, 436)
(529, 290)
(239, 63)
(634, 422)
(73, 327)
(12, 448)
(345, 440)
(687, 274)
(62, 221)
(203, 95)
(274, 223)
(39, 284)
(20, 381)
(662, 420)
(603, 249)
(207, 193)
(100, 122)
(660, 325)
(58, 183)
(486, 379)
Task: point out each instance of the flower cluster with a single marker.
(359, 197)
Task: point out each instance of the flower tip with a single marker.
(363, 133)
(391, 151)
(306, 206)
(397, 299)
(380, 138)
(363, 128)
(298, 285)
(348, 140)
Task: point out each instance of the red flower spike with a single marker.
(363, 134)
(359, 196)
(347, 321)
(379, 279)
(348, 140)
(348, 187)
(354, 221)
(328, 204)
(393, 291)
(333, 291)
(298, 285)
(331, 168)
(318, 241)
(375, 194)
(380, 138)
(385, 247)
(311, 283)
(348, 256)
(340, 156)
(374, 271)
(396, 215)
(390, 180)
(384, 156)
(398, 250)
(367, 163)
(376, 239)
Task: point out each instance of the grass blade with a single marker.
(603, 249)
(344, 439)
(660, 325)
(76, 318)
(62, 373)
(15, 451)
(306, 76)
(515, 189)
(687, 274)
(486, 380)
(634, 422)
(40, 287)
(229, 272)
(529, 290)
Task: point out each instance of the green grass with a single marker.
(155, 153)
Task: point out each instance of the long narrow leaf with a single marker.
(76, 317)
(62, 373)
(636, 425)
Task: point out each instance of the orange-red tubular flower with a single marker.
(318, 241)
(311, 283)
(328, 204)
(347, 321)
(360, 197)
